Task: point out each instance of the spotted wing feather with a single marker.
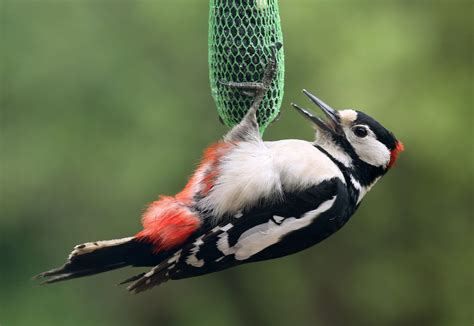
(270, 230)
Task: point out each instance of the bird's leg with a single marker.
(247, 129)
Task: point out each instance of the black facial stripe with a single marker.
(353, 192)
(383, 135)
(364, 173)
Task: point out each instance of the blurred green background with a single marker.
(106, 104)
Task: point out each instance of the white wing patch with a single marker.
(223, 244)
(264, 235)
(174, 259)
(278, 219)
(192, 259)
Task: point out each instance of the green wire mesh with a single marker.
(241, 33)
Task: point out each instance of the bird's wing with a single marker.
(270, 230)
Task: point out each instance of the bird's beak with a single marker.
(332, 125)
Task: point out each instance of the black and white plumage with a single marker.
(300, 193)
(269, 230)
(252, 200)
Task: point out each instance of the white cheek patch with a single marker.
(373, 152)
(264, 235)
(369, 149)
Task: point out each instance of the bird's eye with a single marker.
(360, 131)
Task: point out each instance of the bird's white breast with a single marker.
(252, 171)
(300, 164)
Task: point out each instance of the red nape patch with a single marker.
(394, 154)
(167, 223)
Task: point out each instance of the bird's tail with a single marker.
(101, 256)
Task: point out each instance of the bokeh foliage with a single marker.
(106, 104)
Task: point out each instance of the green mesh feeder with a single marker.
(241, 33)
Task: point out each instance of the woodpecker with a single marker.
(250, 200)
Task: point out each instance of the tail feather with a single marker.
(156, 276)
(132, 279)
(101, 256)
(63, 275)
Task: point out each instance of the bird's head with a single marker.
(353, 138)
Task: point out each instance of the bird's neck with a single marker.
(360, 177)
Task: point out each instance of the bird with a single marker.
(250, 200)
